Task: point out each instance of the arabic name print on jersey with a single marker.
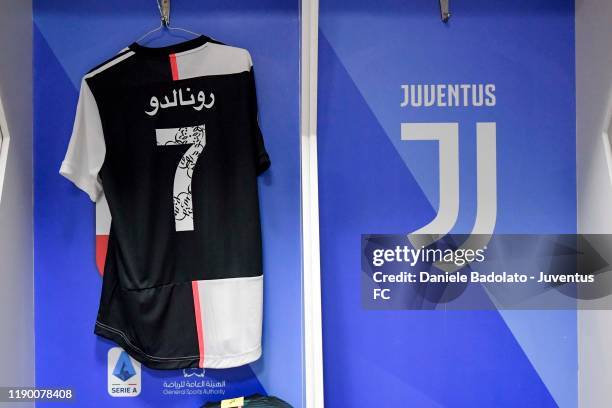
(196, 137)
(179, 100)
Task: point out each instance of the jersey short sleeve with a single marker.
(86, 150)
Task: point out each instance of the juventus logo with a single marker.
(447, 136)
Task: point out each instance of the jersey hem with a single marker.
(174, 363)
(233, 361)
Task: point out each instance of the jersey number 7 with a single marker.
(196, 137)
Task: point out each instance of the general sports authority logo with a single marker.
(194, 372)
(124, 374)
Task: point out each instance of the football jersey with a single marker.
(170, 137)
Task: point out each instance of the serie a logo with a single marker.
(124, 374)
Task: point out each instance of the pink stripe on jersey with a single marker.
(174, 67)
(101, 251)
(198, 318)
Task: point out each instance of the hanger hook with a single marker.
(164, 11)
(444, 10)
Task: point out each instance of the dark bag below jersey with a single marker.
(255, 401)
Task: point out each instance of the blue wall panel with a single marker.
(372, 182)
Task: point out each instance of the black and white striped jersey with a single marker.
(170, 136)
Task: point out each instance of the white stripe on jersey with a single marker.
(110, 63)
(212, 59)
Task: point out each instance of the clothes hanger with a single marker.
(444, 10)
(164, 11)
